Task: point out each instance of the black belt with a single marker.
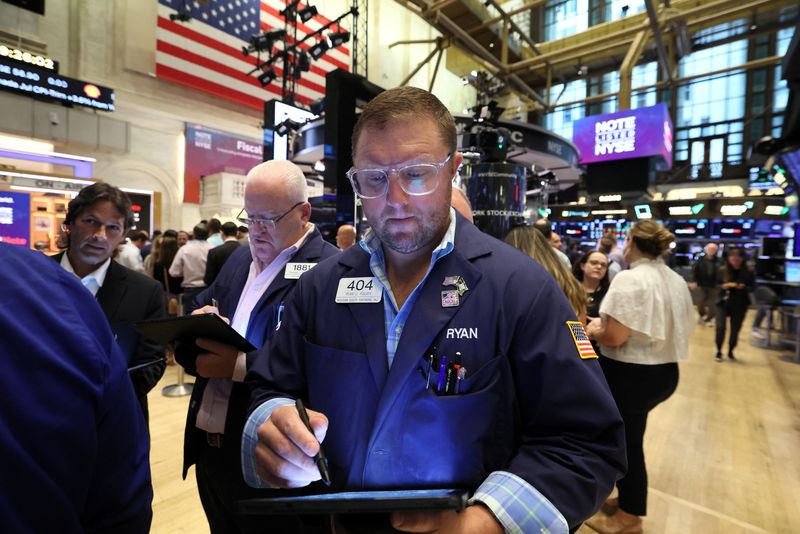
(214, 440)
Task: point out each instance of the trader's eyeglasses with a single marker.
(417, 180)
(264, 224)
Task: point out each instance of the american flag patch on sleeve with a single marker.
(582, 343)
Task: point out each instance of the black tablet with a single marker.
(187, 328)
(359, 502)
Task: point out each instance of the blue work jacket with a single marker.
(529, 403)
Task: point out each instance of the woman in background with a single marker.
(646, 318)
(736, 282)
(531, 241)
(591, 270)
(164, 255)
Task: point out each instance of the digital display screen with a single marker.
(793, 271)
(761, 179)
(631, 133)
(34, 81)
(691, 228)
(768, 228)
(15, 216)
(575, 230)
(732, 229)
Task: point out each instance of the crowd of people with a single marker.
(357, 332)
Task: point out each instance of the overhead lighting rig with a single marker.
(184, 14)
(296, 61)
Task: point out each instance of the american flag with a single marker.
(206, 52)
(582, 343)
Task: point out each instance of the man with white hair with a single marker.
(249, 291)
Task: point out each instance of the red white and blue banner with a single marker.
(205, 53)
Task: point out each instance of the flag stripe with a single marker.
(181, 77)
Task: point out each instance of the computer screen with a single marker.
(574, 230)
(690, 228)
(796, 241)
(793, 271)
(769, 228)
(731, 228)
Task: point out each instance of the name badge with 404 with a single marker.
(359, 290)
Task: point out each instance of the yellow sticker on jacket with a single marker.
(581, 339)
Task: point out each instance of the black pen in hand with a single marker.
(319, 458)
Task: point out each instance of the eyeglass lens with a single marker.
(414, 179)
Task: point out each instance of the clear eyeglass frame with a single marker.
(402, 177)
(263, 223)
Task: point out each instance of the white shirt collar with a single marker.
(92, 281)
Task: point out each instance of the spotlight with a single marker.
(287, 126)
(317, 106)
(338, 38)
(319, 49)
(302, 64)
(290, 10)
(261, 42)
(307, 13)
(267, 77)
(181, 16)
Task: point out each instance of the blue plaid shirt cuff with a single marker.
(250, 440)
(518, 506)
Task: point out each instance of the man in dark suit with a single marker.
(218, 255)
(96, 222)
(250, 289)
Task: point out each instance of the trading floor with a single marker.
(723, 453)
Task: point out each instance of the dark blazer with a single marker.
(227, 289)
(127, 297)
(217, 257)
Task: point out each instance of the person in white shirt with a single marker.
(215, 237)
(130, 254)
(190, 264)
(643, 330)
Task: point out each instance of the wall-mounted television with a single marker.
(731, 228)
(769, 228)
(574, 230)
(694, 228)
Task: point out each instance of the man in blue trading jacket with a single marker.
(250, 289)
(74, 453)
(434, 355)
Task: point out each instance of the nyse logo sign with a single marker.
(615, 136)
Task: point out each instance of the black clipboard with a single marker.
(187, 328)
(359, 502)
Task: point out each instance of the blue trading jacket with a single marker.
(529, 404)
(74, 453)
